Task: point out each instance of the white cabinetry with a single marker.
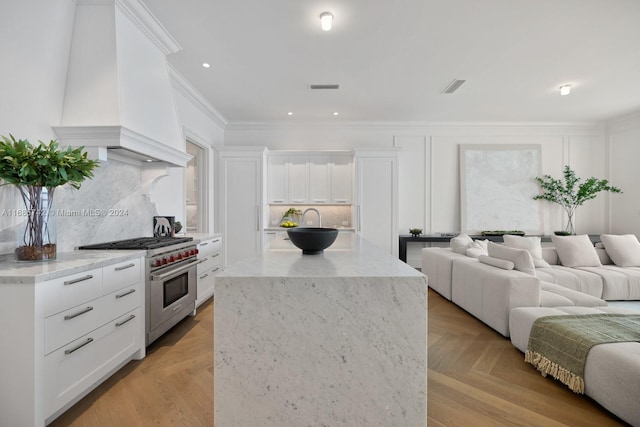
(310, 177)
(210, 256)
(69, 334)
(341, 179)
(241, 200)
(377, 197)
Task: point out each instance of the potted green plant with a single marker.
(571, 192)
(36, 171)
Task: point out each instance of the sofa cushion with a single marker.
(477, 248)
(460, 243)
(624, 250)
(496, 262)
(532, 244)
(576, 251)
(520, 258)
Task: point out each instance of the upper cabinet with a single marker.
(308, 178)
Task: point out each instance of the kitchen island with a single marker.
(332, 339)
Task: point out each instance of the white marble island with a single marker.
(338, 339)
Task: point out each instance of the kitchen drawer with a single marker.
(82, 319)
(206, 282)
(122, 274)
(211, 245)
(84, 362)
(69, 291)
(209, 261)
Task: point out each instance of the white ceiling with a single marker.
(393, 59)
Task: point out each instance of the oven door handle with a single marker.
(176, 271)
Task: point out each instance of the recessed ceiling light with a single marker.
(335, 113)
(206, 65)
(290, 113)
(326, 20)
(565, 90)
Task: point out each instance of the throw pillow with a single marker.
(576, 251)
(496, 262)
(532, 244)
(624, 250)
(520, 258)
(477, 248)
(460, 243)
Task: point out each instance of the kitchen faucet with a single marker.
(316, 211)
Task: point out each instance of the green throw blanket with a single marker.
(558, 345)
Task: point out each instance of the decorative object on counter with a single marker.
(177, 226)
(502, 232)
(415, 232)
(291, 218)
(36, 171)
(163, 226)
(313, 240)
(571, 193)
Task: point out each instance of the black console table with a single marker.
(434, 238)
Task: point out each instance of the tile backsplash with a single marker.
(332, 215)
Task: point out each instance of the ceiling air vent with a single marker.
(453, 86)
(319, 86)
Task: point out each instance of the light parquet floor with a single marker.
(475, 378)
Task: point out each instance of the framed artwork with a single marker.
(163, 226)
(497, 185)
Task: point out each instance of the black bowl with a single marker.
(312, 241)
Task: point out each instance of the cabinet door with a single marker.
(277, 191)
(240, 199)
(298, 179)
(376, 209)
(341, 171)
(319, 179)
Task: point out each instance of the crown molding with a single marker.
(184, 87)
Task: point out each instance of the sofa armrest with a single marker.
(490, 293)
(437, 265)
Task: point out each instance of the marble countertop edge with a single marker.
(66, 263)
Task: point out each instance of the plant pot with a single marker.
(36, 236)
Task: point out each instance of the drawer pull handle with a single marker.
(129, 292)
(176, 309)
(204, 243)
(88, 341)
(71, 316)
(204, 259)
(203, 276)
(215, 241)
(79, 279)
(215, 269)
(215, 255)
(124, 267)
(128, 319)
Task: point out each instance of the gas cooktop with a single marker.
(139, 243)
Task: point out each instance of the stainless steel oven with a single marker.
(172, 296)
(170, 288)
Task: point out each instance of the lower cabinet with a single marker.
(68, 335)
(76, 367)
(210, 256)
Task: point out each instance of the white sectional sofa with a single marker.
(490, 293)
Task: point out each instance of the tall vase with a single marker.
(36, 237)
(570, 228)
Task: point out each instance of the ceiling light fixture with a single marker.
(290, 113)
(326, 20)
(565, 90)
(335, 113)
(206, 65)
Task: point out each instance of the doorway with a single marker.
(196, 193)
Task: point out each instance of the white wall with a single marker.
(624, 170)
(429, 196)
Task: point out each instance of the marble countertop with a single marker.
(66, 263)
(203, 236)
(349, 256)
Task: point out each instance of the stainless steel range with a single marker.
(170, 272)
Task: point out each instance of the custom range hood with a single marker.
(118, 93)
